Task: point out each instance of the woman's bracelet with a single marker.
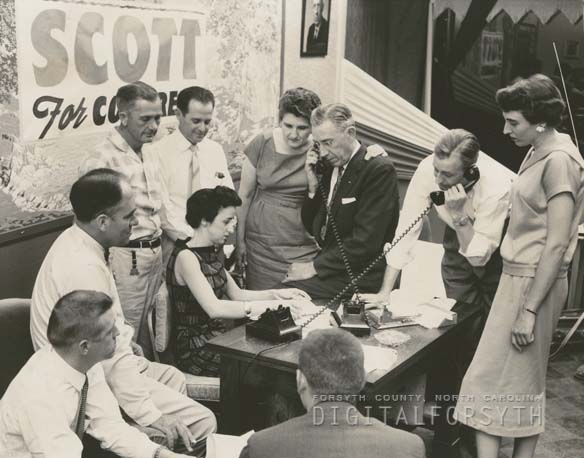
(531, 311)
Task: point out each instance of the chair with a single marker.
(15, 339)
(202, 389)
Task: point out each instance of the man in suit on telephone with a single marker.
(317, 37)
(357, 202)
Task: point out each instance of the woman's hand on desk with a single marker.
(290, 294)
(296, 308)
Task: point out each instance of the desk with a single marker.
(427, 351)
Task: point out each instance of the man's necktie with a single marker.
(80, 422)
(316, 29)
(329, 205)
(194, 181)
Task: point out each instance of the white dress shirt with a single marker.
(175, 157)
(335, 174)
(38, 410)
(487, 207)
(76, 261)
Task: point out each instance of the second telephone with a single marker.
(471, 174)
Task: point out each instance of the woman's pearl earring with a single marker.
(540, 128)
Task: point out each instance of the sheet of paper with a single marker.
(378, 358)
(323, 321)
(432, 315)
(225, 446)
(421, 279)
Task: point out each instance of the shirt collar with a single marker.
(60, 366)
(180, 141)
(119, 142)
(89, 241)
(561, 142)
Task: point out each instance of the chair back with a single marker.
(15, 341)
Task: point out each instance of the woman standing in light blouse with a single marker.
(503, 392)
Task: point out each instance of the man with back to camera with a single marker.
(317, 37)
(137, 266)
(330, 365)
(189, 161)
(151, 394)
(59, 404)
(363, 200)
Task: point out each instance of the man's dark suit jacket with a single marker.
(365, 210)
(319, 44)
(333, 429)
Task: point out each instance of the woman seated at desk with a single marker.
(201, 291)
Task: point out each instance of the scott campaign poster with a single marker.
(72, 58)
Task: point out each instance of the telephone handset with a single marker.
(471, 174)
(319, 166)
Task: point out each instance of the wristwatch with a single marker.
(460, 221)
(247, 309)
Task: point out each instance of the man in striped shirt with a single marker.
(137, 267)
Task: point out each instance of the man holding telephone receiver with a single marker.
(362, 199)
(474, 206)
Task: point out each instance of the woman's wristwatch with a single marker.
(460, 221)
(247, 309)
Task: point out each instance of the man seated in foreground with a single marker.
(152, 395)
(61, 393)
(330, 365)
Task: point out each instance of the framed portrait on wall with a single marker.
(315, 28)
(572, 49)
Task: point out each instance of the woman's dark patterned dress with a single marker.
(192, 327)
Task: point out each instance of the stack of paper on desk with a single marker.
(430, 313)
(422, 290)
(436, 313)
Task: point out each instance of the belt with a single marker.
(154, 243)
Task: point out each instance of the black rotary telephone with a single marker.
(471, 174)
(275, 326)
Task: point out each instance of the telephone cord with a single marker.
(395, 241)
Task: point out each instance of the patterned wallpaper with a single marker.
(243, 70)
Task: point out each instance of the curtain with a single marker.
(387, 39)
